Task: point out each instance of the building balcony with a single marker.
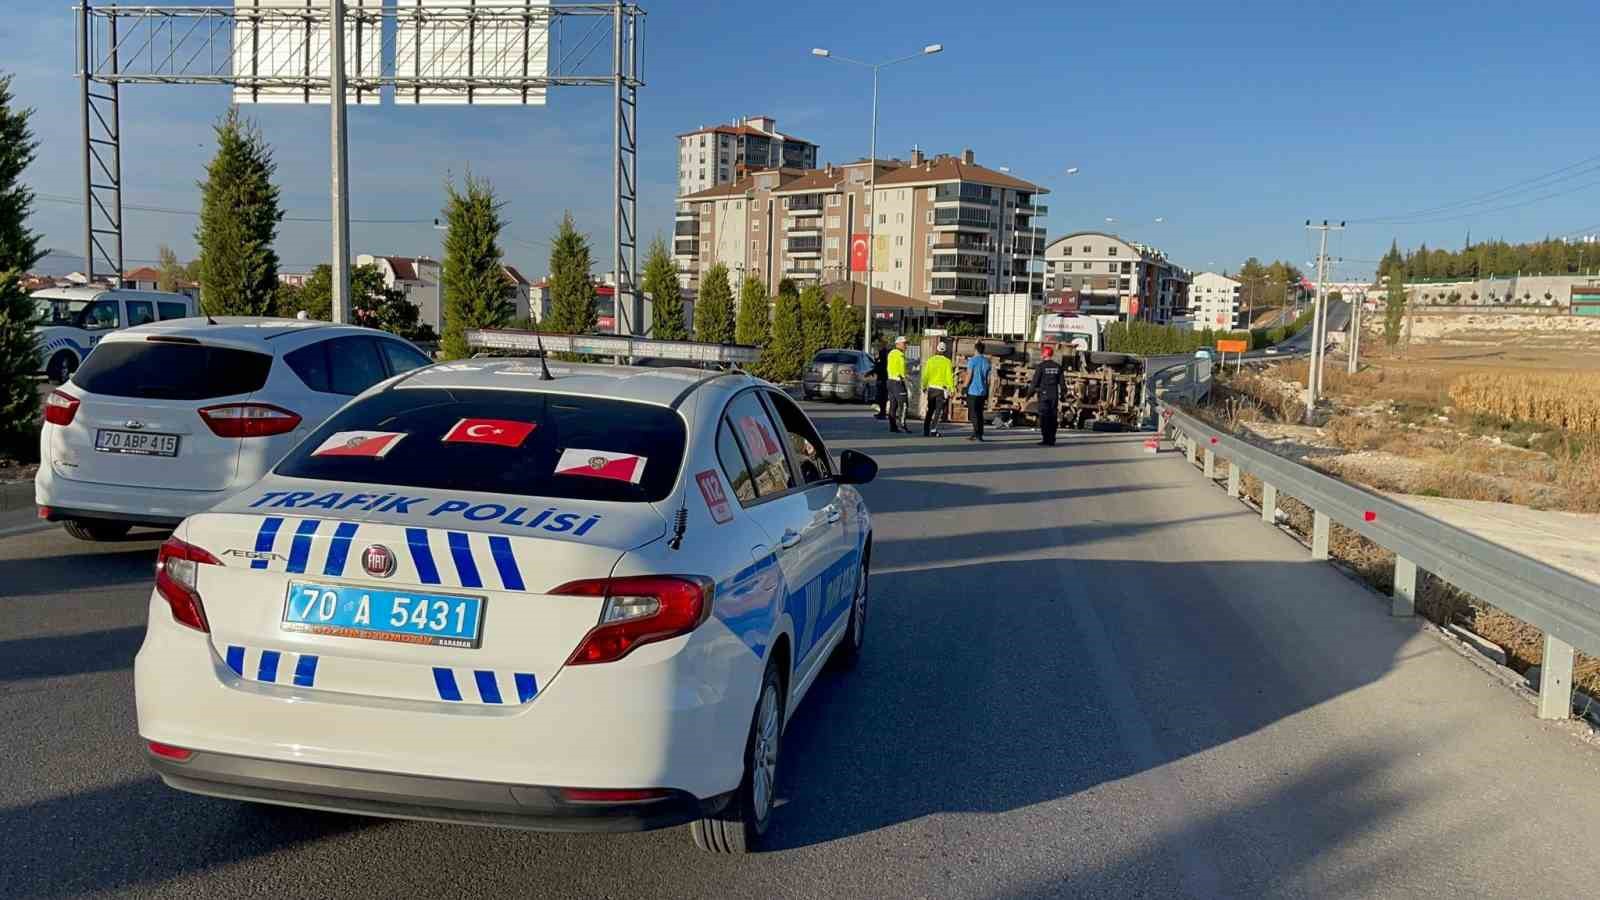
(963, 224)
(686, 228)
(687, 213)
(796, 271)
(804, 206)
(804, 254)
(963, 244)
(805, 230)
(686, 247)
(953, 264)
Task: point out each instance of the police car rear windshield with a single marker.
(578, 448)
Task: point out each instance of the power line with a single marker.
(1565, 173)
(170, 211)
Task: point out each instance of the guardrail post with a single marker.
(1321, 531)
(1194, 450)
(1211, 464)
(1269, 503)
(1555, 680)
(1405, 588)
(1233, 478)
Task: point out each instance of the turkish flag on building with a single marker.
(602, 464)
(500, 432)
(858, 253)
(372, 444)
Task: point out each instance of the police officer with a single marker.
(1047, 388)
(938, 378)
(880, 371)
(897, 385)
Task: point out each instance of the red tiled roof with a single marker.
(403, 269)
(143, 273)
(950, 168)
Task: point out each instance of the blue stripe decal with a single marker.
(235, 659)
(487, 688)
(445, 681)
(526, 687)
(264, 540)
(339, 550)
(269, 666)
(461, 551)
(417, 540)
(305, 671)
(506, 562)
(300, 550)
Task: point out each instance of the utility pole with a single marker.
(1353, 342)
(341, 168)
(1318, 319)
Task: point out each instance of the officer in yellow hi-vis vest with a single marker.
(939, 380)
(897, 385)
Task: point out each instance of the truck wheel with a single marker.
(61, 367)
(1115, 360)
(739, 826)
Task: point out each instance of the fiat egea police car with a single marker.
(479, 594)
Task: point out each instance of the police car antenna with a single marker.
(544, 367)
(680, 519)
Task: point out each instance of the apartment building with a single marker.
(720, 154)
(1214, 300)
(1115, 276)
(943, 229)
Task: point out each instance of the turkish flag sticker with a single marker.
(601, 464)
(499, 432)
(371, 444)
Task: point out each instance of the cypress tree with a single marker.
(784, 359)
(572, 303)
(814, 321)
(755, 314)
(844, 325)
(713, 311)
(477, 292)
(19, 250)
(661, 285)
(239, 218)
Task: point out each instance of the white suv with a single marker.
(165, 420)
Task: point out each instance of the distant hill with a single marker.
(58, 263)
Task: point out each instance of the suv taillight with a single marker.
(177, 567)
(243, 420)
(639, 610)
(60, 407)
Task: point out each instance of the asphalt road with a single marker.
(1088, 674)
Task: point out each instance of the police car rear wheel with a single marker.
(61, 367)
(739, 826)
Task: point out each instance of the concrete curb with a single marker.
(15, 495)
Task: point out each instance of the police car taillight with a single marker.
(242, 420)
(639, 610)
(177, 567)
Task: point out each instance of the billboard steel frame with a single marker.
(193, 44)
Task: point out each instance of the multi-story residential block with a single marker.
(1214, 300)
(720, 154)
(943, 229)
(1111, 275)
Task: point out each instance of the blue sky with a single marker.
(1234, 122)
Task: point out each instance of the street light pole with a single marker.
(872, 168)
(341, 168)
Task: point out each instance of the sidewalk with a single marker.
(16, 504)
(1560, 539)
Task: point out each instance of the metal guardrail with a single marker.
(1565, 607)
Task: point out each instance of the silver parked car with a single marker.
(841, 375)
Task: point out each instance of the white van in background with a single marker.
(73, 319)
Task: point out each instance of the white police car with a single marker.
(477, 595)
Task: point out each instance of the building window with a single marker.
(930, 215)
(930, 241)
(786, 203)
(1086, 249)
(1066, 267)
(1066, 251)
(755, 224)
(1123, 284)
(883, 219)
(831, 243)
(833, 199)
(833, 221)
(755, 245)
(899, 240)
(1112, 251)
(899, 263)
(899, 218)
(1087, 266)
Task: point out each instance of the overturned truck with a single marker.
(1098, 390)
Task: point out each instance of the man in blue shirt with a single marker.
(977, 378)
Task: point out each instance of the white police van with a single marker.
(73, 319)
(480, 595)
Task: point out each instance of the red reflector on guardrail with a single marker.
(1369, 516)
(1213, 440)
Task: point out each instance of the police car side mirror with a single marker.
(856, 467)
